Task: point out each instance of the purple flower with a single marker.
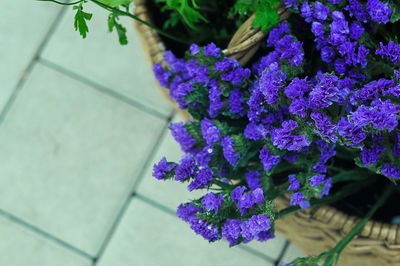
(210, 132)
(194, 49)
(226, 64)
(255, 104)
(319, 167)
(185, 169)
(391, 51)
(316, 180)
(214, 97)
(321, 12)
(235, 102)
(247, 201)
(180, 93)
(206, 230)
(373, 88)
(231, 230)
(187, 211)
(237, 193)
(160, 170)
(271, 81)
(291, 4)
(327, 54)
(294, 183)
(203, 157)
(236, 76)
(276, 34)
(324, 126)
(210, 202)
(349, 131)
(255, 227)
(284, 139)
(356, 30)
(391, 171)
(181, 136)
(327, 187)
(161, 75)
(253, 180)
(370, 156)
(324, 93)
(228, 150)
(306, 12)
(201, 179)
(212, 50)
(317, 28)
(298, 199)
(340, 66)
(355, 9)
(254, 131)
(297, 88)
(380, 114)
(268, 160)
(379, 11)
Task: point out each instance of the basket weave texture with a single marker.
(312, 230)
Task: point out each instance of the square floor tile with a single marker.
(102, 59)
(23, 26)
(19, 246)
(70, 155)
(148, 236)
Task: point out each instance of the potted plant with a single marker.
(308, 133)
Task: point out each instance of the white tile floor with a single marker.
(81, 124)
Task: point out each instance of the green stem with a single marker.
(62, 3)
(123, 13)
(359, 226)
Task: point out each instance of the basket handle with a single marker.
(246, 41)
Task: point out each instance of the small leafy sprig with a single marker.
(116, 8)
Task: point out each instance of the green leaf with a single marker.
(266, 16)
(121, 30)
(188, 14)
(115, 3)
(395, 7)
(80, 20)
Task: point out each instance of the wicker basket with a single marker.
(313, 230)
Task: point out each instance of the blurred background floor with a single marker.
(81, 124)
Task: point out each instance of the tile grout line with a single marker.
(31, 64)
(102, 89)
(257, 253)
(44, 234)
(283, 253)
(133, 194)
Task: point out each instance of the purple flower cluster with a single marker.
(229, 152)
(300, 108)
(246, 201)
(162, 168)
(257, 227)
(210, 202)
(283, 138)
